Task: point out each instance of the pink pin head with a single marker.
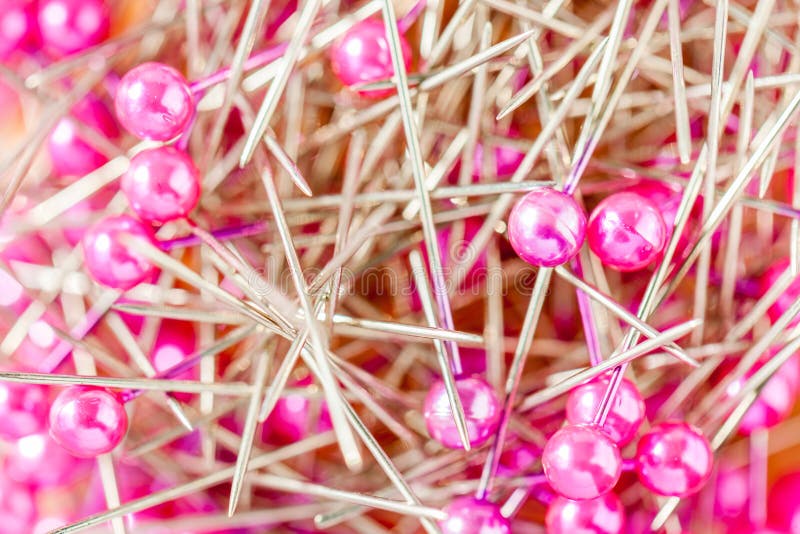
(17, 507)
(481, 410)
(506, 161)
(783, 505)
(467, 515)
(775, 399)
(546, 227)
(110, 261)
(581, 462)
(295, 416)
(162, 184)
(17, 25)
(626, 231)
(674, 459)
(88, 421)
(69, 26)
(23, 410)
(362, 56)
(153, 101)
(624, 417)
(175, 342)
(601, 515)
(787, 297)
(25, 461)
(70, 153)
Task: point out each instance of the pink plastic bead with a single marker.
(581, 462)
(506, 161)
(293, 417)
(624, 417)
(546, 227)
(70, 153)
(674, 459)
(162, 184)
(17, 507)
(17, 25)
(362, 56)
(602, 515)
(467, 515)
(69, 26)
(775, 399)
(25, 460)
(481, 410)
(787, 297)
(109, 261)
(153, 101)
(175, 342)
(626, 231)
(23, 410)
(88, 421)
(783, 505)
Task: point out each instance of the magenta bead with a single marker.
(467, 515)
(674, 459)
(775, 400)
(25, 461)
(362, 56)
(783, 504)
(70, 153)
(581, 462)
(481, 410)
(546, 227)
(162, 184)
(506, 161)
(23, 410)
(88, 421)
(176, 341)
(626, 231)
(17, 507)
(109, 261)
(624, 417)
(295, 416)
(153, 101)
(69, 26)
(17, 25)
(787, 297)
(601, 515)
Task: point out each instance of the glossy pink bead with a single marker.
(23, 410)
(70, 153)
(481, 410)
(88, 421)
(581, 462)
(17, 25)
(787, 297)
(546, 227)
(175, 342)
(109, 261)
(293, 417)
(624, 417)
(25, 461)
(362, 56)
(17, 507)
(467, 515)
(674, 459)
(775, 399)
(601, 515)
(153, 101)
(162, 184)
(783, 505)
(626, 231)
(506, 161)
(69, 26)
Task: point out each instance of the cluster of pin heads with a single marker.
(485, 267)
